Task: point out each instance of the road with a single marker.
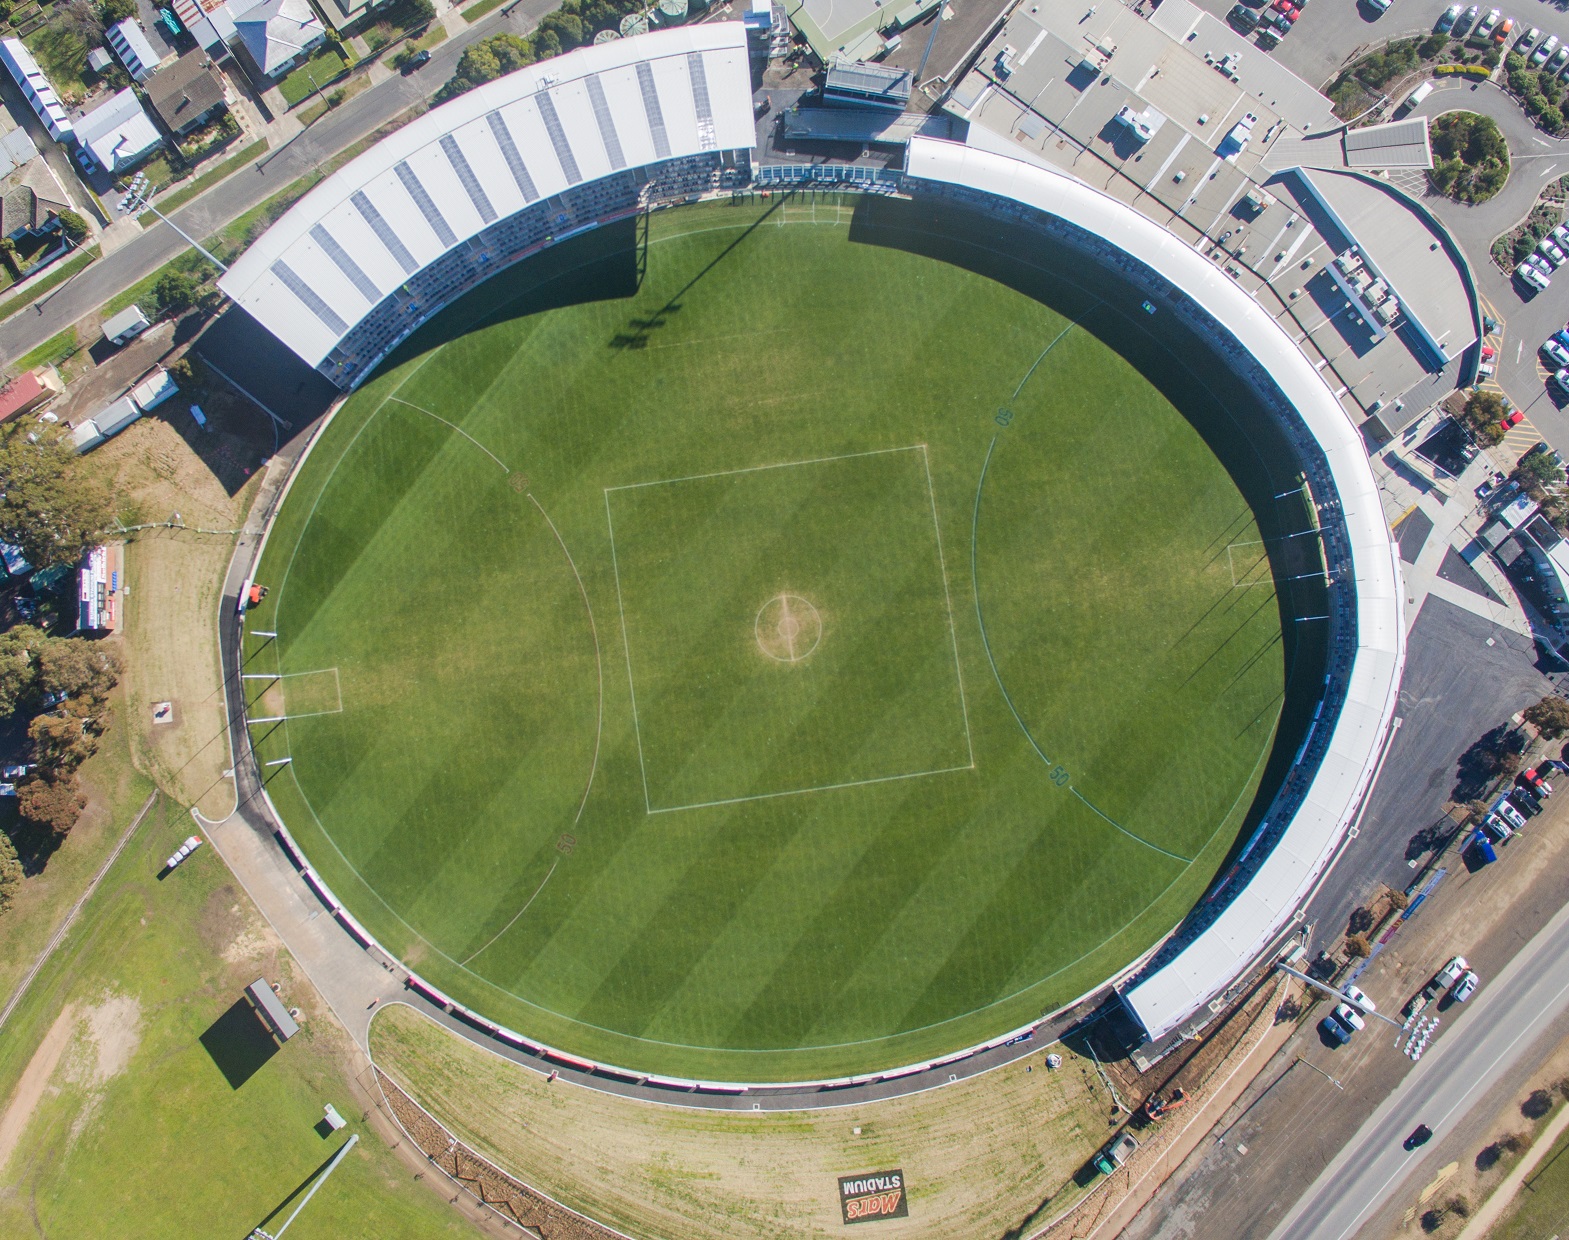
(340, 128)
(1500, 1027)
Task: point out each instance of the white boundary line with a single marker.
(278, 679)
(953, 632)
(756, 469)
(942, 569)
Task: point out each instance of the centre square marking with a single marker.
(788, 629)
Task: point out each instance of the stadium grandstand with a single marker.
(662, 118)
(1337, 761)
(475, 185)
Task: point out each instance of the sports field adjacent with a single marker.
(760, 651)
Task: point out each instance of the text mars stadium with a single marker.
(877, 1195)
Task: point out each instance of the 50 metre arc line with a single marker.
(980, 620)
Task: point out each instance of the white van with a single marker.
(1415, 98)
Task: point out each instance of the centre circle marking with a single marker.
(788, 628)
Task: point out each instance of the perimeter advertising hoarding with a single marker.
(874, 1195)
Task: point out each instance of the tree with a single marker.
(1538, 469)
(11, 872)
(111, 11)
(175, 292)
(49, 506)
(74, 227)
(1357, 945)
(1550, 716)
(52, 802)
(62, 741)
(77, 669)
(18, 666)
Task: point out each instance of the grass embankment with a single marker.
(183, 195)
(478, 10)
(981, 1157)
(125, 1122)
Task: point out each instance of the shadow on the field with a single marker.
(639, 329)
(1189, 369)
(238, 1043)
(603, 264)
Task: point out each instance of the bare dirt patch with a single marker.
(979, 1155)
(35, 1079)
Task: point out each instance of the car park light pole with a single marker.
(348, 1145)
(136, 199)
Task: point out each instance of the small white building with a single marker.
(119, 134)
(35, 86)
(127, 325)
(154, 390)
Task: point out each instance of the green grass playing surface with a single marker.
(819, 659)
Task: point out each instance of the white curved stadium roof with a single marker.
(486, 155)
(1257, 913)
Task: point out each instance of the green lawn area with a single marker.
(1541, 1207)
(63, 271)
(585, 769)
(139, 1131)
(478, 10)
(62, 55)
(52, 350)
(317, 73)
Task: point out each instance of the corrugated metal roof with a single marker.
(1204, 967)
(1399, 144)
(438, 181)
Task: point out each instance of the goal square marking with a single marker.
(787, 629)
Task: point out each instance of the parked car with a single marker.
(1488, 485)
(1350, 1017)
(1115, 1152)
(1485, 26)
(1527, 39)
(1358, 996)
(1526, 802)
(1505, 29)
(1420, 1136)
(1555, 353)
(1336, 1032)
(1529, 274)
(1242, 17)
(1553, 253)
(1511, 421)
(1497, 828)
(1446, 19)
(1560, 58)
(1466, 19)
(1511, 815)
(1450, 973)
(1465, 987)
(1544, 49)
